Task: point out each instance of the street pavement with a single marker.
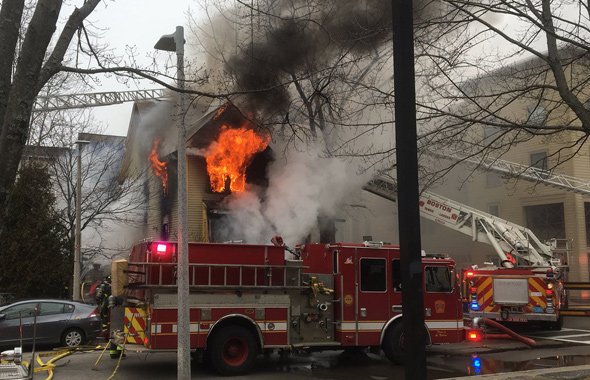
(557, 355)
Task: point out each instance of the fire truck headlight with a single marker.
(550, 285)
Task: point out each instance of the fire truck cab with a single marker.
(246, 299)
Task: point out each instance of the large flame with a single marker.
(229, 156)
(158, 167)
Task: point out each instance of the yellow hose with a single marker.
(49, 366)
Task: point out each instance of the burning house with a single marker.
(225, 152)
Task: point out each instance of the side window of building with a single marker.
(437, 279)
(494, 209)
(539, 160)
(396, 276)
(587, 218)
(546, 220)
(373, 276)
(493, 180)
(537, 114)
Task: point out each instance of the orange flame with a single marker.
(158, 167)
(228, 157)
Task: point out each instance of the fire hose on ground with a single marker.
(507, 333)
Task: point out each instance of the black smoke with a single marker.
(308, 42)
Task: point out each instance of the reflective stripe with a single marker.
(444, 324)
(378, 326)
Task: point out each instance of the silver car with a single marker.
(58, 322)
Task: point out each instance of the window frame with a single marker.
(449, 272)
(382, 259)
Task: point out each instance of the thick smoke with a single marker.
(301, 187)
(298, 34)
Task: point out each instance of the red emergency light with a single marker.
(161, 248)
(474, 336)
(549, 292)
(469, 274)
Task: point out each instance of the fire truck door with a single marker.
(442, 304)
(373, 299)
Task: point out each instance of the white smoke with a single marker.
(301, 186)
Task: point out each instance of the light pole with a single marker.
(175, 42)
(78, 233)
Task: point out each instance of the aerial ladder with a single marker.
(95, 99)
(508, 239)
(516, 170)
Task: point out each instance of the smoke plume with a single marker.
(301, 187)
(298, 34)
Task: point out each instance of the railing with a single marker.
(226, 276)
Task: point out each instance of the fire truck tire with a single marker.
(233, 350)
(393, 344)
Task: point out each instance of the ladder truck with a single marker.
(529, 285)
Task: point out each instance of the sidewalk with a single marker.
(563, 373)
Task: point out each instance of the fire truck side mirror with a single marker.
(454, 279)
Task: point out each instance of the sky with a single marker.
(138, 23)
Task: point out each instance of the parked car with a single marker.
(58, 322)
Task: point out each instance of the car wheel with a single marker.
(72, 337)
(233, 350)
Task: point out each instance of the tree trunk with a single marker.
(15, 124)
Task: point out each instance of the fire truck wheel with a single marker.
(72, 337)
(393, 344)
(233, 350)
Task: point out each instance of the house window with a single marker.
(493, 180)
(373, 278)
(539, 160)
(494, 209)
(537, 115)
(546, 221)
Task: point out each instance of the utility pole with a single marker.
(408, 191)
(78, 233)
(175, 42)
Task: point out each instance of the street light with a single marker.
(78, 233)
(175, 42)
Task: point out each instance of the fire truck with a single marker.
(527, 286)
(247, 299)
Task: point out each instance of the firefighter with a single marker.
(116, 349)
(103, 292)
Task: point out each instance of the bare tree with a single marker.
(522, 74)
(31, 60)
(106, 203)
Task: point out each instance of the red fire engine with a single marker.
(527, 286)
(245, 299)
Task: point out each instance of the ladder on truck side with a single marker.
(504, 236)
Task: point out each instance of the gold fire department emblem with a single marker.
(439, 306)
(348, 299)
